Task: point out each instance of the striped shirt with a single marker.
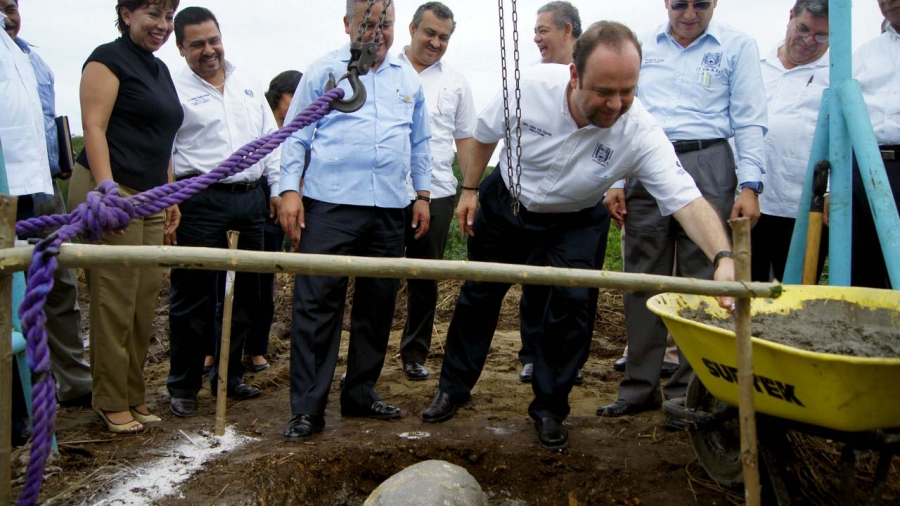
(47, 93)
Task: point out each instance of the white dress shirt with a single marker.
(876, 65)
(451, 111)
(566, 168)
(22, 122)
(216, 125)
(711, 89)
(793, 97)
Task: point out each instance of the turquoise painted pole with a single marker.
(874, 177)
(841, 235)
(793, 271)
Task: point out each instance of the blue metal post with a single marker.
(874, 177)
(840, 152)
(793, 271)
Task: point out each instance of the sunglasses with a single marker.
(682, 6)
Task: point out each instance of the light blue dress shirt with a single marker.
(712, 89)
(47, 93)
(361, 158)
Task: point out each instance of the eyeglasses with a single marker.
(682, 6)
(804, 32)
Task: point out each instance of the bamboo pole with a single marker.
(84, 256)
(7, 239)
(225, 344)
(746, 410)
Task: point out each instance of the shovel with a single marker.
(816, 218)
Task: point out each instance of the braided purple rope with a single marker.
(104, 211)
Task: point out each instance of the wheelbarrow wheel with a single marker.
(718, 446)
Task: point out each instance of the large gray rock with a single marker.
(429, 483)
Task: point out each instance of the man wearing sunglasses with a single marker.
(702, 83)
(875, 67)
(795, 74)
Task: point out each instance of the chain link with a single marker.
(367, 15)
(514, 173)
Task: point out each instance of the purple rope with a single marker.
(105, 211)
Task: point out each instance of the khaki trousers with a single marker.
(123, 303)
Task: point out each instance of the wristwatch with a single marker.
(423, 198)
(756, 186)
(719, 256)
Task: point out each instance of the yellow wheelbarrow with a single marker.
(845, 398)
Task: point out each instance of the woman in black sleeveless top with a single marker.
(130, 114)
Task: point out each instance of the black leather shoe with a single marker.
(378, 411)
(579, 377)
(620, 364)
(82, 401)
(622, 407)
(243, 392)
(415, 371)
(303, 427)
(668, 369)
(552, 434)
(183, 406)
(527, 373)
(441, 409)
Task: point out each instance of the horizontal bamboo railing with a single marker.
(85, 256)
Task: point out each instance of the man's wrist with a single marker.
(720, 256)
(755, 186)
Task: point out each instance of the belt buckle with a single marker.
(888, 155)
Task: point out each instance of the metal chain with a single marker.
(367, 15)
(514, 173)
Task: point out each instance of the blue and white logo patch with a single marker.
(602, 154)
(712, 60)
(249, 93)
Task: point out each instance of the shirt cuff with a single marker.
(618, 185)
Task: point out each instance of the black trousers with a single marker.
(258, 339)
(318, 309)
(569, 240)
(195, 317)
(531, 307)
(422, 294)
(868, 267)
(771, 241)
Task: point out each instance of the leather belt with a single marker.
(226, 187)
(890, 153)
(689, 146)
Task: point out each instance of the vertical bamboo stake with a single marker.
(225, 345)
(746, 410)
(7, 240)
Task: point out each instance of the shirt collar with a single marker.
(388, 58)
(893, 33)
(23, 45)
(712, 30)
(775, 61)
(437, 66)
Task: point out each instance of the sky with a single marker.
(270, 36)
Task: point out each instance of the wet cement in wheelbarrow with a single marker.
(821, 325)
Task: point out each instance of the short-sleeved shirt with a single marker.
(566, 168)
(451, 110)
(793, 97)
(711, 89)
(876, 65)
(145, 117)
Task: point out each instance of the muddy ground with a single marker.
(626, 461)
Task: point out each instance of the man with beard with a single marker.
(224, 109)
(584, 131)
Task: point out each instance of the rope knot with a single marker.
(104, 211)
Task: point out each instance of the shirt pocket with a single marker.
(16, 146)
(447, 103)
(713, 90)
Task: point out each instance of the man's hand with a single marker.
(465, 211)
(290, 214)
(725, 272)
(173, 219)
(274, 204)
(421, 218)
(746, 205)
(615, 206)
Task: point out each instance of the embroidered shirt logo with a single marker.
(248, 92)
(536, 130)
(199, 100)
(602, 155)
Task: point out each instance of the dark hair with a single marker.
(285, 82)
(440, 10)
(133, 5)
(607, 33)
(818, 8)
(192, 16)
(563, 13)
